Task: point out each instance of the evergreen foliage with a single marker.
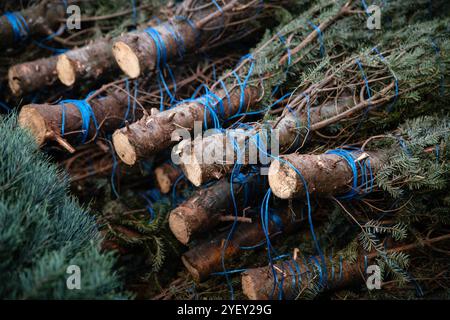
(43, 229)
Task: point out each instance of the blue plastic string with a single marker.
(340, 268)
(357, 167)
(366, 82)
(127, 87)
(174, 189)
(63, 119)
(393, 74)
(322, 47)
(305, 184)
(193, 27)
(222, 273)
(404, 146)
(19, 26)
(161, 64)
(87, 115)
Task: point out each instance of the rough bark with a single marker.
(214, 156)
(136, 52)
(30, 76)
(88, 62)
(259, 284)
(205, 209)
(153, 133)
(40, 19)
(45, 120)
(206, 258)
(325, 174)
(166, 175)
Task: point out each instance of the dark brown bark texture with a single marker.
(325, 174)
(45, 120)
(206, 258)
(88, 62)
(195, 25)
(203, 211)
(152, 134)
(40, 20)
(296, 277)
(31, 76)
(290, 134)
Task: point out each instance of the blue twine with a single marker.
(174, 189)
(404, 146)
(21, 31)
(308, 201)
(19, 26)
(127, 87)
(193, 27)
(234, 172)
(322, 47)
(161, 64)
(288, 52)
(151, 196)
(332, 267)
(393, 74)
(357, 167)
(222, 273)
(243, 84)
(366, 82)
(86, 116)
(437, 153)
(63, 119)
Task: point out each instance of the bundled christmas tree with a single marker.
(247, 149)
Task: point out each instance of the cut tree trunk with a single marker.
(206, 258)
(166, 175)
(31, 76)
(207, 207)
(295, 278)
(325, 174)
(259, 284)
(153, 133)
(220, 149)
(88, 62)
(45, 120)
(40, 21)
(137, 52)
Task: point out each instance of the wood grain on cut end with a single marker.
(193, 172)
(126, 59)
(65, 70)
(179, 226)
(123, 147)
(283, 180)
(31, 119)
